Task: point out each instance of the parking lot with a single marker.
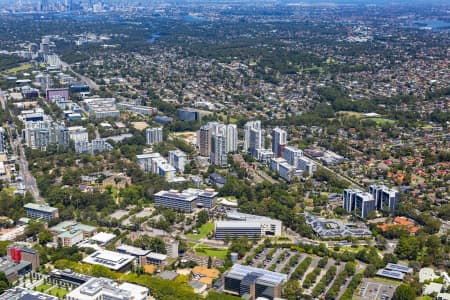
(374, 290)
(276, 260)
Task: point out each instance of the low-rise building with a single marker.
(103, 288)
(251, 226)
(69, 233)
(332, 228)
(20, 293)
(41, 211)
(115, 261)
(101, 108)
(139, 254)
(178, 159)
(67, 276)
(178, 201)
(255, 282)
(19, 253)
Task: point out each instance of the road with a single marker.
(85, 79)
(28, 180)
(340, 176)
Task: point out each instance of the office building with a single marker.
(379, 198)
(67, 277)
(100, 108)
(251, 226)
(18, 253)
(364, 204)
(178, 160)
(138, 109)
(139, 254)
(41, 211)
(13, 269)
(188, 114)
(20, 293)
(207, 198)
(386, 199)
(348, 199)
(332, 228)
(235, 229)
(55, 94)
(254, 282)
(78, 88)
(279, 141)
(358, 202)
(167, 171)
(157, 259)
(107, 289)
(185, 202)
(3, 145)
(115, 261)
(154, 135)
(69, 233)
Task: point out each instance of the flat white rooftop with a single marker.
(110, 259)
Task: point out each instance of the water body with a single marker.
(431, 24)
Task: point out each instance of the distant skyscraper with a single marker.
(154, 135)
(279, 140)
(43, 5)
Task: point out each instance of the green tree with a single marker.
(202, 218)
(45, 237)
(292, 290)
(404, 292)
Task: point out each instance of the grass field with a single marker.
(58, 292)
(203, 231)
(349, 114)
(381, 121)
(43, 287)
(204, 250)
(18, 69)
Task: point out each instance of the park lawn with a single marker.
(203, 231)
(58, 292)
(381, 121)
(18, 69)
(43, 287)
(347, 113)
(204, 250)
